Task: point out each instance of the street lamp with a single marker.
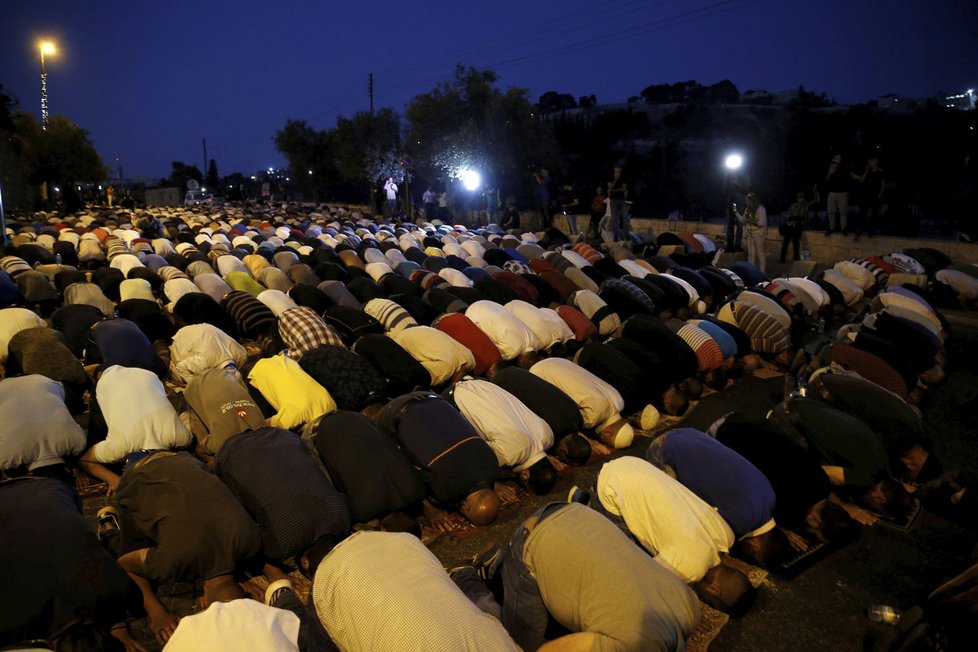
(732, 163)
(470, 179)
(46, 47)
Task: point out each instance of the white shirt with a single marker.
(276, 301)
(137, 413)
(545, 323)
(576, 259)
(856, 273)
(902, 301)
(851, 293)
(684, 533)
(125, 262)
(634, 268)
(237, 625)
(510, 335)
(199, 347)
(600, 403)
(812, 288)
(386, 591)
(438, 352)
(517, 436)
(228, 263)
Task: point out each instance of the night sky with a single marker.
(149, 80)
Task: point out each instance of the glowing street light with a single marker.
(45, 47)
(733, 162)
(470, 179)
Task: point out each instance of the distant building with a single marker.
(962, 101)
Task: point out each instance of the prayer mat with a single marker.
(711, 620)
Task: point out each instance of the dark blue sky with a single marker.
(149, 80)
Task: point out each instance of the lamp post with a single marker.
(732, 163)
(46, 47)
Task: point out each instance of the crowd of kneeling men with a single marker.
(253, 384)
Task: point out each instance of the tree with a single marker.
(307, 149)
(724, 92)
(62, 155)
(588, 101)
(181, 173)
(552, 101)
(13, 180)
(367, 147)
(213, 181)
(466, 122)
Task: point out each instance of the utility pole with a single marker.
(204, 169)
(370, 90)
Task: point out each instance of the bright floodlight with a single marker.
(470, 179)
(733, 161)
(47, 47)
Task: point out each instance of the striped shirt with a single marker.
(303, 330)
(251, 316)
(766, 334)
(390, 314)
(707, 350)
(14, 265)
(411, 602)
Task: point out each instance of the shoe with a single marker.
(844, 233)
(107, 520)
(829, 231)
(578, 495)
(452, 572)
(487, 562)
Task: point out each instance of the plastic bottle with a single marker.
(883, 613)
(57, 259)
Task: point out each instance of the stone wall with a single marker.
(822, 247)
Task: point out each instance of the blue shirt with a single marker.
(721, 477)
(728, 345)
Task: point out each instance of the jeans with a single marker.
(524, 613)
(735, 233)
(794, 237)
(620, 219)
(477, 592)
(838, 201)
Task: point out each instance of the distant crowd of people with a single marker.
(309, 388)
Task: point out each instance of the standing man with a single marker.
(618, 196)
(872, 185)
(391, 189)
(430, 200)
(545, 193)
(837, 181)
(491, 194)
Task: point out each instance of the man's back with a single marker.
(411, 602)
(594, 579)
